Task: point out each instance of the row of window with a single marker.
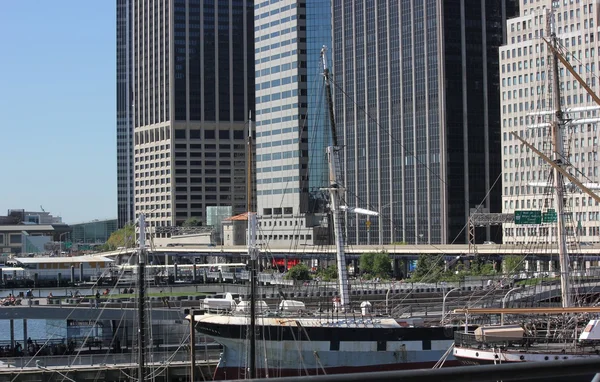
(278, 156)
(278, 192)
(284, 179)
(273, 12)
(277, 82)
(279, 96)
(277, 143)
(276, 109)
(274, 57)
(277, 69)
(278, 121)
(288, 167)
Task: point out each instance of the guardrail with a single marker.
(539, 343)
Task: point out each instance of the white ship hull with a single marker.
(312, 346)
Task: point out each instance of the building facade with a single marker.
(291, 119)
(191, 91)
(96, 231)
(418, 111)
(528, 107)
(125, 196)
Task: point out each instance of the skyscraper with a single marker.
(418, 110)
(124, 125)
(528, 108)
(191, 91)
(291, 128)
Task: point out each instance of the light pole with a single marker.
(444, 304)
(60, 241)
(504, 303)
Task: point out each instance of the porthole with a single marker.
(477, 354)
(546, 358)
(522, 358)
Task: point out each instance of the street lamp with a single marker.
(60, 241)
(444, 304)
(504, 303)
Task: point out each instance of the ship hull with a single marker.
(300, 346)
(226, 373)
(469, 356)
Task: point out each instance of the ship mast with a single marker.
(253, 252)
(558, 157)
(142, 298)
(336, 190)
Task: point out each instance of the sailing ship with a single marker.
(294, 341)
(541, 334)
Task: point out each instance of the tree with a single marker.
(192, 222)
(124, 237)
(367, 261)
(429, 268)
(298, 272)
(382, 265)
(513, 263)
(329, 273)
(376, 264)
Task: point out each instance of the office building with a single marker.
(418, 112)
(191, 66)
(125, 197)
(528, 108)
(291, 120)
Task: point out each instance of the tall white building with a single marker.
(290, 144)
(528, 108)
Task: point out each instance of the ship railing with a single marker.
(551, 344)
(115, 359)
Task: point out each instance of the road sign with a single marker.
(528, 217)
(549, 216)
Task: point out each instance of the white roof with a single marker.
(65, 259)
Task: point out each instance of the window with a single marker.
(180, 134)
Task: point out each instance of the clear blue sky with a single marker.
(57, 107)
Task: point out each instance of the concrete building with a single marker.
(528, 108)
(291, 120)
(418, 110)
(32, 238)
(191, 90)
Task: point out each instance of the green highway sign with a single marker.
(549, 216)
(528, 217)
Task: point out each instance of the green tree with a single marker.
(429, 268)
(513, 263)
(192, 222)
(124, 237)
(328, 274)
(367, 260)
(382, 265)
(298, 272)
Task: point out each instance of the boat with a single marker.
(293, 341)
(543, 334)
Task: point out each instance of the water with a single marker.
(39, 329)
(36, 329)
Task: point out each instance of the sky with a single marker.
(58, 108)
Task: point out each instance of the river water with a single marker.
(36, 329)
(39, 329)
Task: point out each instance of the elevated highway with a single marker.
(591, 252)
